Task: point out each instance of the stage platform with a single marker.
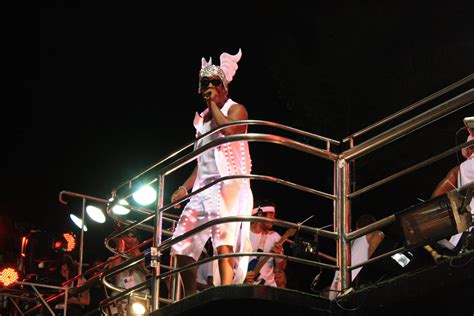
(446, 288)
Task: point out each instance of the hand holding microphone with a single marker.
(207, 96)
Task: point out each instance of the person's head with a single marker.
(127, 240)
(96, 266)
(265, 209)
(364, 220)
(468, 151)
(215, 79)
(212, 85)
(68, 267)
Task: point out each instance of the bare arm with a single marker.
(237, 112)
(185, 188)
(188, 184)
(448, 183)
(374, 239)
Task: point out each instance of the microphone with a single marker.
(207, 96)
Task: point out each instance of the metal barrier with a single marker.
(341, 196)
(429, 116)
(155, 174)
(342, 191)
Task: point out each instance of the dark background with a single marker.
(109, 90)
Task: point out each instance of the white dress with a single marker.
(228, 198)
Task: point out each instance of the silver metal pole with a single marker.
(16, 305)
(81, 246)
(456, 103)
(43, 300)
(66, 297)
(175, 279)
(343, 222)
(410, 108)
(155, 284)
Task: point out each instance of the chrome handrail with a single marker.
(218, 129)
(462, 100)
(345, 158)
(410, 107)
(342, 193)
(249, 137)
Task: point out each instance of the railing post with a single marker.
(156, 263)
(81, 246)
(343, 220)
(175, 279)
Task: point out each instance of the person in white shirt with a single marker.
(263, 239)
(362, 249)
(458, 176)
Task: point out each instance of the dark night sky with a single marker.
(107, 91)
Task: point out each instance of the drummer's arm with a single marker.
(449, 183)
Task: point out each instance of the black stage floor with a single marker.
(446, 288)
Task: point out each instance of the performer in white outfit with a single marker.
(228, 198)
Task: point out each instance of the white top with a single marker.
(227, 159)
(465, 176)
(266, 273)
(359, 253)
(207, 163)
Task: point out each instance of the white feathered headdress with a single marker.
(226, 70)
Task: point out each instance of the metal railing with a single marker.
(158, 172)
(341, 196)
(460, 101)
(342, 191)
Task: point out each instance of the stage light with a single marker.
(403, 259)
(8, 276)
(65, 242)
(138, 308)
(70, 240)
(145, 195)
(77, 221)
(437, 218)
(24, 242)
(119, 209)
(95, 213)
(60, 244)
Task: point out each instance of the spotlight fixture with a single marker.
(95, 213)
(77, 221)
(137, 307)
(70, 241)
(120, 209)
(8, 276)
(145, 195)
(437, 218)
